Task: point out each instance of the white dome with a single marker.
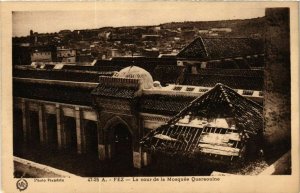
(136, 73)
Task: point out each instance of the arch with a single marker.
(119, 142)
(114, 121)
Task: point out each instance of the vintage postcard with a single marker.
(150, 96)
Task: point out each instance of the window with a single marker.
(247, 92)
(203, 90)
(177, 88)
(190, 89)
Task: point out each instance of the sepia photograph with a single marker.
(139, 94)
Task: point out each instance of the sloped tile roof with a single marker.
(196, 49)
(231, 72)
(114, 91)
(221, 47)
(232, 80)
(174, 138)
(164, 104)
(167, 73)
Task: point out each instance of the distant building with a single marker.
(104, 35)
(66, 55)
(111, 53)
(156, 28)
(150, 37)
(213, 34)
(84, 56)
(41, 56)
(203, 31)
(154, 52)
(63, 33)
(221, 30)
(188, 34)
(44, 53)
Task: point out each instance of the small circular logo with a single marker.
(22, 184)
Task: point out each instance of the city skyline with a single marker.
(54, 21)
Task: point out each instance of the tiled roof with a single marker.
(195, 49)
(67, 75)
(231, 72)
(167, 74)
(250, 82)
(175, 138)
(221, 47)
(163, 104)
(232, 47)
(102, 68)
(114, 91)
(53, 93)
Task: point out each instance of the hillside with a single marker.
(240, 27)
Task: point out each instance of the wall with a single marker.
(277, 109)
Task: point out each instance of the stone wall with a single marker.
(277, 109)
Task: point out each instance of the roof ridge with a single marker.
(246, 99)
(224, 94)
(206, 53)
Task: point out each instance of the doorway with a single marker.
(34, 128)
(91, 137)
(52, 130)
(70, 134)
(17, 129)
(122, 147)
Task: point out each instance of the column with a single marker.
(146, 159)
(109, 151)
(78, 129)
(83, 134)
(101, 152)
(137, 158)
(101, 141)
(24, 120)
(59, 126)
(42, 125)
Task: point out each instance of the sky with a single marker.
(54, 21)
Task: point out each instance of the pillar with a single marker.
(137, 158)
(101, 152)
(42, 124)
(109, 151)
(83, 134)
(146, 159)
(78, 129)
(24, 120)
(59, 126)
(101, 143)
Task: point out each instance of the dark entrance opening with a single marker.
(34, 128)
(17, 128)
(122, 147)
(91, 137)
(52, 130)
(70, 132)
